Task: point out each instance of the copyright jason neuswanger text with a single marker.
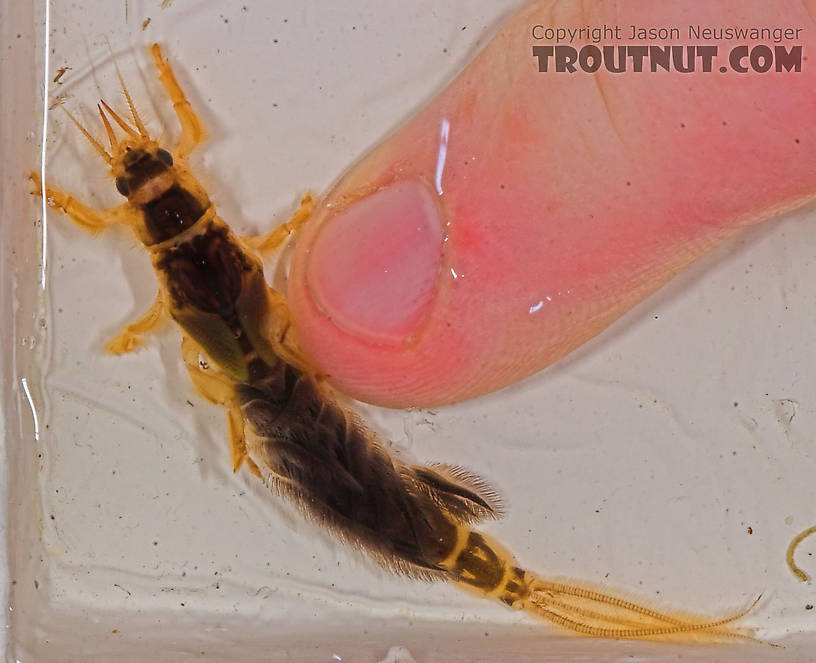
(747, 49)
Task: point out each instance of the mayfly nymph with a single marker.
(286, 422)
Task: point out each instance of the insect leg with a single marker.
(278, 235)
(192, 130)
(280, 333)
(238, 447)
(92, 220)
(131, 336)
(220, 390)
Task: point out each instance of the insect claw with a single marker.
(35, 181)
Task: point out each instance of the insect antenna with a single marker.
(127, 128)
(97, 146)
(108, 128)
(136, 119)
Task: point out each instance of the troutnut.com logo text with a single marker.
(581, 49)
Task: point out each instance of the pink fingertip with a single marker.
(372, 268)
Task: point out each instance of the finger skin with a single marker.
(567, 198)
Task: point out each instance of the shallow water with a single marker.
(671, 457)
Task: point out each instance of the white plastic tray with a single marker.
(640, 461)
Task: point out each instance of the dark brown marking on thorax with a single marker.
(206, 272)
(172, 212)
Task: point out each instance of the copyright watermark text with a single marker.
(749, 49)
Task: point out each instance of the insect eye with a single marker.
(165, 156)
(122, 186)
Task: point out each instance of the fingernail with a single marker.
(373, 267)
